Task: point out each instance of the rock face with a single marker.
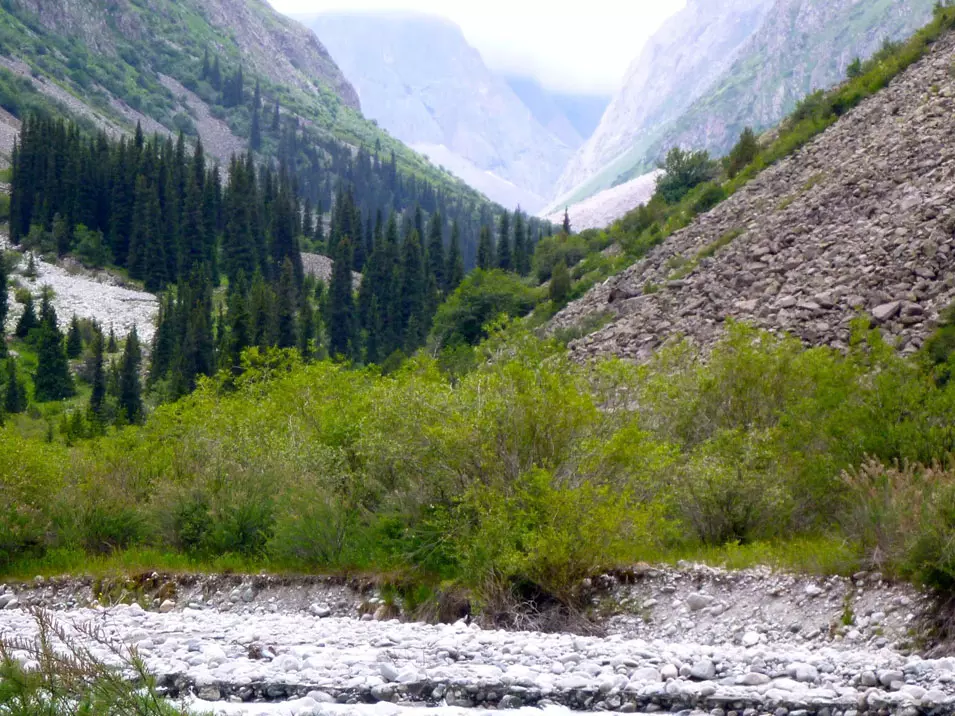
(718, 67)
(572, 117)
(418, 77)
(859, 221)
(272, 46)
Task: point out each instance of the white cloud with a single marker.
(582, 46)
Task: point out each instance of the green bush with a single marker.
(683, 171)
(480, 299)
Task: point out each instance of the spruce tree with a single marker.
(306, 330)
(28, 320)
(111, 346)
(239, 323)
(262, 313)
(566, 229)
(286, 300)
(15, 395)
(414, 290)
(522, 253)
(504, 257)
(52, 380)
(74, 339)
(454, 273)
(98, 380)
(130, 386)
(341, 319)
(485, 252)
(436, 259)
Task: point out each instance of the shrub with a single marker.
(560, 283)
(684, 170)
(481, 298)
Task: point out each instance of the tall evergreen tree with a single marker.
(306, 329)
(505, 258)
(437, 262)
(52, 380)
(522, 253)
(286, 300)
(28, 320)
(111, 346)
(130, 385)
(341, 319)
(454, 274)
(239, 323)
(4, 305)
(74, 339)
(414, 287)
(98, 379)
(566, 229)
(485, 252)
(15, 394)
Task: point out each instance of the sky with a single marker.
(581, 46)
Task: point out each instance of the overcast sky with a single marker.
(580, 46)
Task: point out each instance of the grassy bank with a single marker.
(530, 472)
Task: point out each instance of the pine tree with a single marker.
(306, 329)
(262, 313)
(239, 323)
(286, 299)
(566, 229)
(454, 274)
(485, 252)
(62, 235)
(130, 386)
(98, 380)
(522, 253)
(504, 257)
(341, 319)
(15, 395)
(111, 346)
(74, 339)
(437, 262)
(52, 380)
(414, 288)
(276, 117)
(28, 320)
(255, 135)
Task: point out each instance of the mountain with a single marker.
(721, 65)
(420, 79)
(572, 117)
(859, 221)
(167, 66)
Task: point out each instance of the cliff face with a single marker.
(421, 80)
(683, 60)
(860, 221)
(752, 67)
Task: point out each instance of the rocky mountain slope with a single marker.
(859, 221)
(421, 80)
(754, 60)
(115, 63)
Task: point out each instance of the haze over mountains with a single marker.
(421, 80)
(718, 66)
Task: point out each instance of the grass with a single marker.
(824, 556)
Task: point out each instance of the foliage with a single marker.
(481, 298)
(683, 171)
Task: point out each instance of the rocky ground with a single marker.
(860, 221)
(679, 640)
(606, 207)
(95, 295)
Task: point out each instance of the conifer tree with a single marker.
(130, 386)
(414, 288)
(15, 394)
(239, 323)
(52, 380)
(98, 380)
(485, 252)
(566, 229)
(455, 270)
(306, 329)
(276, 117)
(286, 300)
(163, 341)
(262, 313)
(504, 257)
(28, 320)
(437, 261)
(74, 339)
(522, 253)
(255, 135)
(111, 346)
(341, 318)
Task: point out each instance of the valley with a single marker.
(303, 411)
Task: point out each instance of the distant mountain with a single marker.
(420, 79)
(718, 66)
(572, 117)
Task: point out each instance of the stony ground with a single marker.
(680, 640)
(96, 295)
(859, 221)
(606, 207)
